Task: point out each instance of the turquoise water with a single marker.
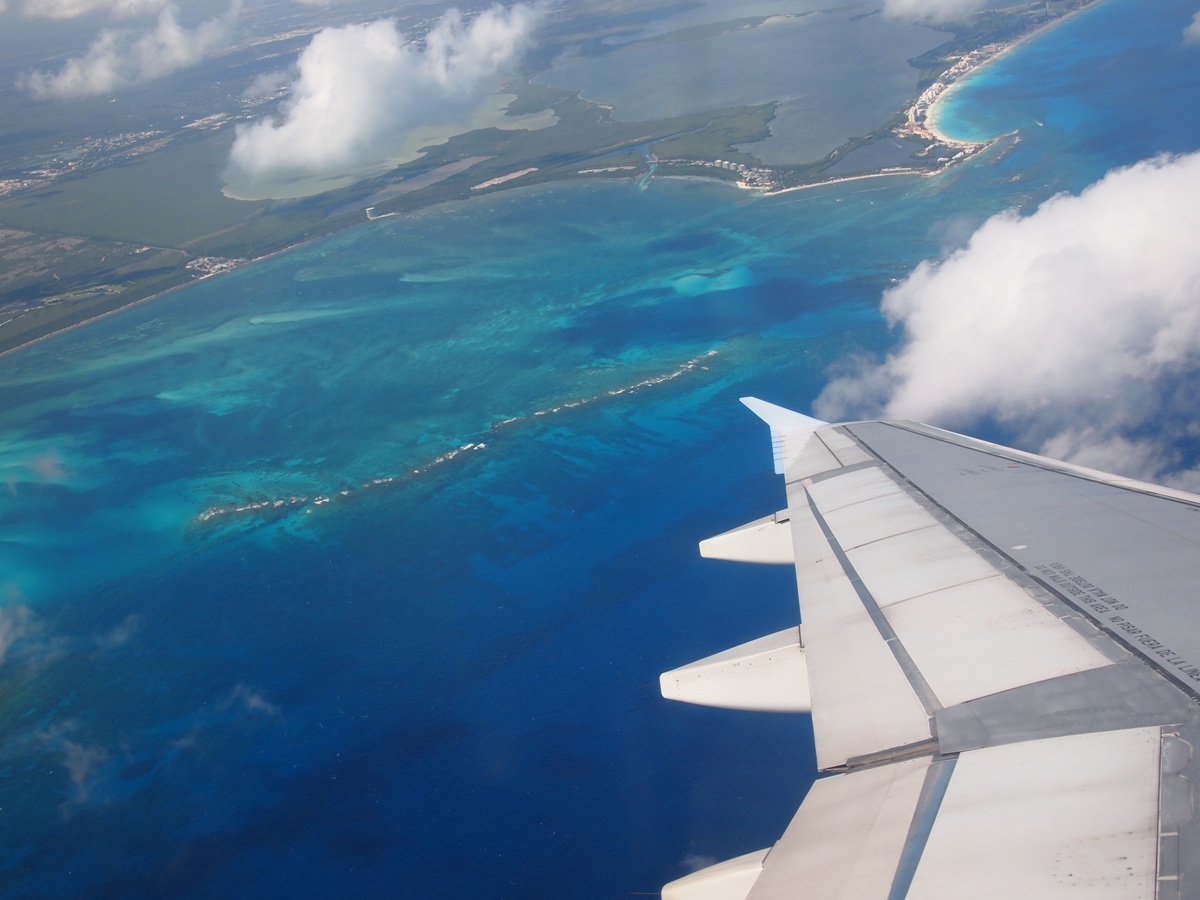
(270, 628)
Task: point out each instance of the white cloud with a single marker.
(121, 57)
(267, 83)
(83, 762)
(16, 622)
(120, 635)
(931, 10)
(250, 700)
(24, 640)
(70, 9)
(359, 88)
(1191, 34)
(1076, 327)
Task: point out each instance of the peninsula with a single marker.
(182, 230)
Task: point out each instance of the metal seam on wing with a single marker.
(916, 680)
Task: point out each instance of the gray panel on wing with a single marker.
(1126, 555)
(985, 637)
(968, 629)
(861, 700)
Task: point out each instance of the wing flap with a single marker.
(1001, 639)
(1041, 615)
(728, 880)
(850, 488)
(846, 839)
(912, 563)
(862, 701)
(844, 448)
(880, 517)
(929, 582)
(1065, 817)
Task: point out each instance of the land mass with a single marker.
(139, 230)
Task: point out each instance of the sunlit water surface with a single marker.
(352, 572)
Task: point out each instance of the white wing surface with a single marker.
(1001, 654)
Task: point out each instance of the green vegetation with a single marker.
(95, 236)
(168, 198)
(722, 132)
(699, 32)
(20, 326)
(990, 26)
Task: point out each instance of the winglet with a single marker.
(785, 424)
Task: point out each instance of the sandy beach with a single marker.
(155, 296)
(922, 120)
(922, 116)
(970, 65)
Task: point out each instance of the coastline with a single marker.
(155, 296)
(921, 120)
(982, 59)
(921, 116)
(841, 179)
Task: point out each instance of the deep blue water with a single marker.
(388, 675)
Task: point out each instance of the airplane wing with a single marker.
(1001, 655)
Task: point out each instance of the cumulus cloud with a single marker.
(1077, 328)
(119, 57)
(359, 88)
(932, 11)
(1191, 34)
(267, 83)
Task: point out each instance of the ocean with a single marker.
(351, 572)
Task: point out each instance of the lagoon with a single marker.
(837, 75)
(444, 680)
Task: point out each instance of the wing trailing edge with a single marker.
(1002, 660)
(729, 880)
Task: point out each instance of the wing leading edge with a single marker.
(1001, 665)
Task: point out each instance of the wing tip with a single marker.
(785, 424)
(780, 418)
